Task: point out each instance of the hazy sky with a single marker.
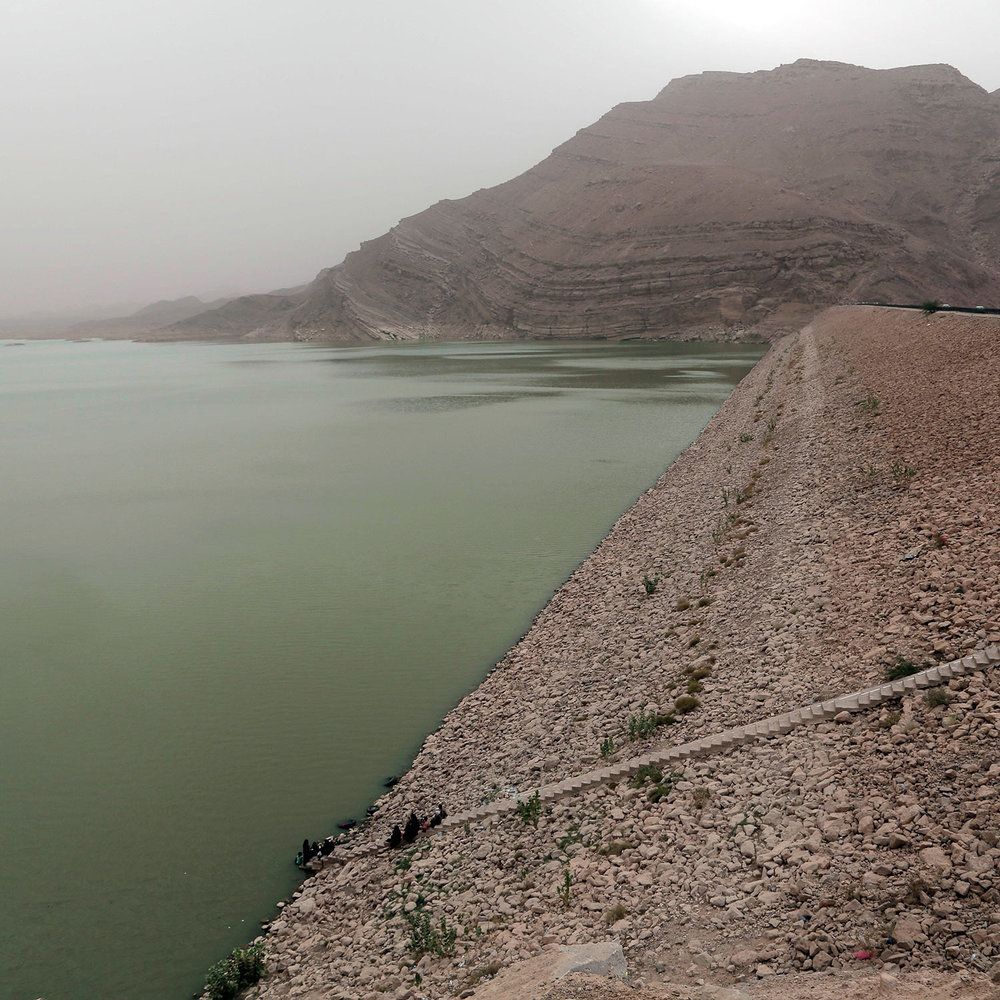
(156, 148)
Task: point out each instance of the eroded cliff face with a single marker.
(726, 201)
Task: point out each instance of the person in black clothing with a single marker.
(396, 837)
(307, 851)
(411, 829)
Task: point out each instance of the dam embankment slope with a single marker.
(838, 515)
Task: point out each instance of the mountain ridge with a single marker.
(728, 203)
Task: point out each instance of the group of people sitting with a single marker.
(314, 850)
(413, 826)
(406, 835)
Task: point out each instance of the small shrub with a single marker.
(686, 703)
(694, 686)
(700, 797)
(563, 890)
(902, 473)
(744, 438)
(682, 605)
(700, 673)
(938, 696)
(607, 748)
(930, 306)
(642, 725)
(870, 404)
(903, 668)
(425, 938)
(661, 791)
(530, 810)
(648, 772)
(615, 914)
(241, 969)
(890, 720)
(650, 583)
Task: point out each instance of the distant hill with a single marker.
(144, 321)
(728, 201)
(190, 318)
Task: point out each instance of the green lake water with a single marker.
(238, 586)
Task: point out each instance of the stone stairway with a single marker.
(777, 725)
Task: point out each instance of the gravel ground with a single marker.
(839, 514)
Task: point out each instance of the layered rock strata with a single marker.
(728, 201)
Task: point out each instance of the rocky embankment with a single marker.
(838, 516)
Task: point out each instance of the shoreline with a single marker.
(801, 596)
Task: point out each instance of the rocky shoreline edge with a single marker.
(837, 519)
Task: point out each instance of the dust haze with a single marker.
(155, 150)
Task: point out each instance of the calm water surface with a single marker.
(239, 584)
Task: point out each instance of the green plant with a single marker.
(890, 720)
(870, 403)
(607, 748)
(871, 470)
(648, 772)
(660, 791)
(743, 494)
(530, 809)
(682, 605)
(615, 914)
(725, 496)
(428, 939)
(938, 696)
(700, 797)
(241, 969)
(745, 437)
(650, 583)
(563, 890)
(642, 725)
(930, 306)
(574, 835)
(701, 672)
(686, 703)
(752, 821)
(902, 473)
(903, 668)
(694, 686)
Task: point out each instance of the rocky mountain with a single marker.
(728, 201)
